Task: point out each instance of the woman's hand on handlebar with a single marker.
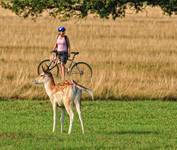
(54, 51)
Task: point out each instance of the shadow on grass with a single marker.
(15, 135)
(132, 133)
(24, 135)
(137, 98)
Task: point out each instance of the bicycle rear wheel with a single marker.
(47, 64)
(81, 72)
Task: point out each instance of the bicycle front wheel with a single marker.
(81, 72)
(47, 64)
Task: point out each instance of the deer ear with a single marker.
(47, 67)
(43, 69)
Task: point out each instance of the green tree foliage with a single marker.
(81, 8)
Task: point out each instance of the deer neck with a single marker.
(49, 86)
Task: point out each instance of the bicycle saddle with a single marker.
(75, 53)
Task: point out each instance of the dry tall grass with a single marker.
(131, 57)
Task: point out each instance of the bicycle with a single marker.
(78, 71)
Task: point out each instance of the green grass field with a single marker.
(108, 125)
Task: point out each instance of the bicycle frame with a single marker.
(58, 62)
(75, 69)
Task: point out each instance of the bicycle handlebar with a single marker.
(55, 51)
(75, 53)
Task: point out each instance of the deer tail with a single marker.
(81, 87)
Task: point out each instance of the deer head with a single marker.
(44, 77)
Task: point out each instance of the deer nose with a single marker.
(34, 81)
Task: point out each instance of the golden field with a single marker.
(132, 58)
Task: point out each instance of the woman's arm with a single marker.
(55, 46)
(69, 47)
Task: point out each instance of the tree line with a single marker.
(81, 8)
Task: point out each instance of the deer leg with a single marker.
(54, 116)
(78, 109)
(71, 117)
(62, 119)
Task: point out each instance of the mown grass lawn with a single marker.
(108, 125)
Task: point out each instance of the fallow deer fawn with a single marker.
(63, 95)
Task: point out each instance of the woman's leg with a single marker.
(62, 71)
(63, 59)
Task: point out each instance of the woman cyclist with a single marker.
(62, 47)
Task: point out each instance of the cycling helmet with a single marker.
(61, 29)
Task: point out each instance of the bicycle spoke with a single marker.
(81, 72)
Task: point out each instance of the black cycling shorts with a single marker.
(63, 56)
